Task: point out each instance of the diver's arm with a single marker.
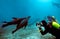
(43, 33)
(43, 30)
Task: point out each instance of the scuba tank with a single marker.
(54, 22)
(55, 25)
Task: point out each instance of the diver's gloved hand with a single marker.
(42, 29)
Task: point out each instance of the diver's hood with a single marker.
(44, 23)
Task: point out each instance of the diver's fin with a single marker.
(3, 26)
(4, 22)
(13, 32)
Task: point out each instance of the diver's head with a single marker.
(44, 23)
(51, 18)
(28, 17)
(14, 17)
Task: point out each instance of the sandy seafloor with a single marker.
(29, 33)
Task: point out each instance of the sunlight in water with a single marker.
(45, 1)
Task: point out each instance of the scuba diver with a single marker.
(56, 4)
(21, 22)
(50, 27)
(54, 22)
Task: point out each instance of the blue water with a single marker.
(37, 9)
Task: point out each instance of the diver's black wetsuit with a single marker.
(20, 23)
(12, 22)
(50, 29)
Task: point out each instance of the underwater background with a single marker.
(37, 9)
